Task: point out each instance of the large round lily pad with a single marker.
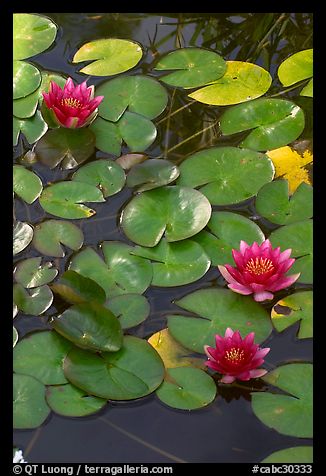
(109, 56)
(27, 185)
(70, 147)
(22, 236)
(173, 211)
(288, 414)
(133, 372)
(32, 34)
(299, 237)
(130, 309)
(50, 234)
(31, 273)
(91, 326)
(226, 175)
(213, 311)
(193, 67)
(187, 388)
(296, 67)
(296, 454)
(75, 288)
(26, 79)
(41, 355)
(175, 264)
(33, 128)
(276, 123)
(120, 273)
(227, 229)
(30, 408)
(241, 82)
(140, 94)
(293, 308)
(35, 301)
(108, 176)
(151, 174)
(65, 199)
(70, 401)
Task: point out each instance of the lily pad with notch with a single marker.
(30, 273)
(70, 147)
(50, 234)
(22, 236)
(191, 67)
(65, 199)
(297, 67)
(151, 174)
(30, 408)
(106, 175)
(41, 355)
(290, 413)
(293, 308)
(226, 230)
(226, 175)
(134, 371)
(213, 310)
(68, 400)
(33, 302)
(33, 128)
(173, 211)
(32, 34)
(175, 264)
(26, 79)
(120, 273)
(26, 184)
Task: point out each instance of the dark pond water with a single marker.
(146, 431)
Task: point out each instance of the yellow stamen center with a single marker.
(235, 354)
(71, 102)
(259, 265)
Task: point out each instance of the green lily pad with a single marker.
(64, 199)
(22, 236)
(296, 454)
(75, 289)
(70, 147)
(130, 309)
(173, 211)
(33, 128)
(109, 56)
(226, 175)
(175, 264)
(49, 235)
(90, 326)
(187, 388)
(276, 123)
(140, 94)
(242, 82)
(26, 79)
(273, 202)
(30, 273)
(287, 414)
(194, 67)
(127, 161)
(70, 401)
(299, 237)
(134, 371)
(174, 354)
(215, 310)
(15, 336)
(30, 408)
(227, 230)
(308, 89)
(151, 174)
(296, 67)
(293, 308)
(108, 176)
(32, 34)
(34, 302)
(121, 273)
(41, 355)
(135, 130)
(27, 185)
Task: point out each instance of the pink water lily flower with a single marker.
(260, 270)
(236, 358)
(73, 106)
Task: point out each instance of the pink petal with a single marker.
(243, 246)
(262, 352)
(276, 252)
(240, 289)
(94, 103)
(209, 351)
(255, 249)
(244, 376)
(256, 373)
(263, 296)
(284, 282)
(226, 275)
(285, 265)
(227, 379)
(236, 339)
(69, 86)
(72, 122)
(213, 365)
(90, 92)
(229, 332)
(47, 100)
(266, 245)
(257, 288)
(59, 115)
(249, 339)
(238, 258)
(285, 255)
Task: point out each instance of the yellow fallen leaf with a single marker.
(289, 164)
